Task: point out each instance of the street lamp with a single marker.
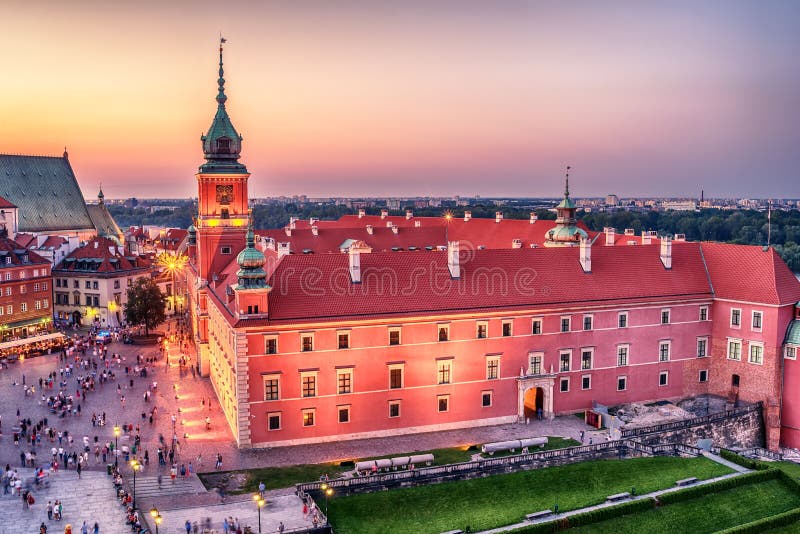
(156, 517)
(172, 263)
(328, 491)
(117, 432)
(260, 502)
(135, 465)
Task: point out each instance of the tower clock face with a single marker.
(224, 194)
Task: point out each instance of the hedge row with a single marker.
(749, 463)
(587, 518)
(755, 527)
(720, 485)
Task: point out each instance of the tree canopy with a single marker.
(146, 304)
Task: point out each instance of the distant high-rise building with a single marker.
(612, 200)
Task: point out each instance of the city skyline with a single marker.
(430, 100)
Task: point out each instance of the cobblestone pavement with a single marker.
(93, 502)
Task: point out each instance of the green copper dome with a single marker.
(192, 235)
(251, 262)
(222, 144)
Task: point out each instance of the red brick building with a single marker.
(26, 284)
(368, 327)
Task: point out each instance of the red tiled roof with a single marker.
(104, 253)
(419, 282)
(54, 241)
(25, 240)
(750, 274)
(6, 204)
(15, 250)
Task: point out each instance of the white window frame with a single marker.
(665, 374)
(401, 367)
(303, 375)
(583, 378)
(732, 325)
(568, 354)
(760, 314)
(790, 352)
(266, 343)
(704, 339)
(510, 323)
(399, 408)
(563, 380)
(478, 325)
(225, 249)
(728, 349)
(489, 359)
(700, 313)
(439, 327)
(399, 336)
(280, 421)
(313, 413)
(440, 365)
(23, 307)
(439, 398)
(751, 346)
(561, 320)
(339, 409)
(590, 317)
(531, 356)
(270, 377)
(661, 345)
(304, 335)
(491, 398)
(625, 378)
(343, 332)
(346, 371)
(627, 319)
(668, 311)
(540, 321)
(590, 350)
(627, 348)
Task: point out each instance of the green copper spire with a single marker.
(567, 203)
(222, 144)
(251, 261)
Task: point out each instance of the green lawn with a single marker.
(705, 515)
(505, 499)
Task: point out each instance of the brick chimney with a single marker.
(384, 214)
(586, 255)
(498, 216)
(610, 236)
(646, 239)
(666, 252)
(467, 215)
(409, 214)
(453, 259)
(355, 264)
(284, 249)
(361, 213)
(534, 217)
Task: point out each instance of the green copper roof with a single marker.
(793, 333)
(103, 222)
(46, 192)
(222, 144)
(567, 202)
(251, 261)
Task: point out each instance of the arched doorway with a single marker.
(534, 401)
(76, 318)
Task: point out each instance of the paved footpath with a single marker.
(90, 499)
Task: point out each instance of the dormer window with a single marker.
(223, 145)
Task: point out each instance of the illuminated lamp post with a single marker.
(154, 513)
(117, 432)
(135, 465)
(260, 502)
(328, 491)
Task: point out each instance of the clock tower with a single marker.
(222, 215)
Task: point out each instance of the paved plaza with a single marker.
(190, 399)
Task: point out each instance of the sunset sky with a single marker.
(413, 98)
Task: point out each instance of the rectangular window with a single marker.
(587, 322)
(493, 368)
(309, 384)
(443, 371)
(564, 358)
(790, 353)
(396, 377)
(586, 382)
(94, 285)
(443, 402)
(44, 286)
(444, 332)
(308, 417)
(271, 345)
(734, 349)
(344, 414)
(756, 353)
(622, 383)
(343, 340)
(37, 305)
(486, 399)
(536, 326)
(88, 284)
(45, 304)
(702, 347)
(736, 317)
(664, 316)
(306, 342)
(534, 364)
(9, 309)
(586, 359)
(704, 313)
(394, 408)
(482, 330)
(507, 332)
(2, 310)
(622, 355)
(565, 324)
(663, 378)
(36, 287)
(116, 284)
(663, 351)
(227, 250)
(757, 321)
(622, 320)
(274, 421)
(76, 284)
(344, 381)
(271, 388)
(8, 291)
(564, 385)
(703, 376)
(23, 289)
(96, 301)
(23, 307)
(394, 336)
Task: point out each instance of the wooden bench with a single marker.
(618, 497)
(538, 515)
(686, 481)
